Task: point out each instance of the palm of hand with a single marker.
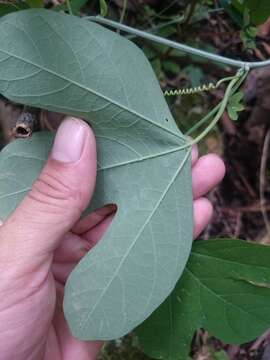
(44, 325)
(88, 232)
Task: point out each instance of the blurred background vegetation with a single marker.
(239, 29)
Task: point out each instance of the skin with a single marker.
(44, 238)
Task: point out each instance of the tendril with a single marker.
(201, 88)
(191, 90)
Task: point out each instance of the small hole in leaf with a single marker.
(166, 119)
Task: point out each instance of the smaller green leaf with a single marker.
(246, 17)
(237, 97)
(195, 74)
(252, 31)
(34, 4)
(149, 53)
(224, 289)
(171, 67)
(232, 112)
(103, 7)
(234, 10)
(162, 49)
(235, 106)
(259, 10)
(167, 31)
(248, 41)
(238, 4)
(156, 65)
(240, 107)
(9, 8)
(220, 355)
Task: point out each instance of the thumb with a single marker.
(57, 198)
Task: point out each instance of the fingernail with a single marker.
(106, 210)
(69, 140)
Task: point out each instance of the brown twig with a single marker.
(245, 209)
(25, 125)
(17, 121)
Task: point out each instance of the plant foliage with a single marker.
(65, 64)
(224, 289)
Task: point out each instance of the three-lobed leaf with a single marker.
(224, 289)
(235, 105)
(66, 64)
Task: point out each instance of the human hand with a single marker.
(44, 238)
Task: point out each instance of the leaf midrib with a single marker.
(230, 261)
(128, 162)
(85, 320)
(226, 302)
(96, 93)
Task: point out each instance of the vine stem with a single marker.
(202, 121)
(179, 46)
(230, 89)
(154, 29)
(241, 75)
(219, 109)
(218, 115)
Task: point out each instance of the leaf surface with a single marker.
(66, 64)
(259, 10)
(224, 289)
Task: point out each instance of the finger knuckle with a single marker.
(51, 190)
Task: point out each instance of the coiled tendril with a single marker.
(197, 89)
(191, 90)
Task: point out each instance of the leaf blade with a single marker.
(143, 162)
(220, 275)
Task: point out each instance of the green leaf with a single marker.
(7, 8)
(234, 11)
(235, 106)
(103, 7)
(167, 31)
(12, 7)
(246, 17)
(232, 112)
(238, 4)
(221, 355)
(76, 5)
(236, 98)
(259, 10)
(224, 289)
(252, 31)
(156, 65)
(171, 67)
(194, 74)
(34, 3)
(66, 64)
